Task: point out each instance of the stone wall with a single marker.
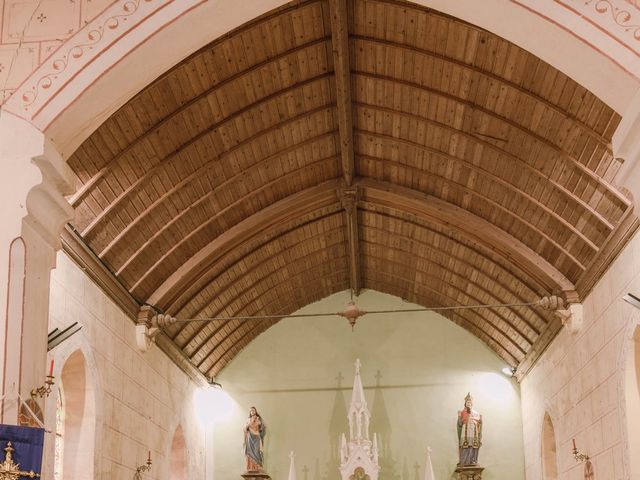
(416, 370)
(140, 399)
(580, 381)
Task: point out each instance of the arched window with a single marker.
(549, 459)
(178, 456)
(59, 441)
(78, 419)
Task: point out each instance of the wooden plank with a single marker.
(471, 226)
(340, 47)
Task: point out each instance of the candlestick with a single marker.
(578, 455)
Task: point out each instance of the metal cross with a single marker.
(10, 470)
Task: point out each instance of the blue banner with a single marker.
(28, 443)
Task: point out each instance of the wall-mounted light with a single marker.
(213, 403)
(631, 299)
(509, 371)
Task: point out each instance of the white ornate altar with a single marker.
(359, 452)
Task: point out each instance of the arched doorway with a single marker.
(178, 456)
(549, 457)
(76, 421)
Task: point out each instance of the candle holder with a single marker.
(579, 456)
(44, 390)
(145, 467)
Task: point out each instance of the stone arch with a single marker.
(549, 449)
(178, 465)
(72, 357)
(79, 418)
(97, 69)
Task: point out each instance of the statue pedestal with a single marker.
(256, 476)
(469, 472)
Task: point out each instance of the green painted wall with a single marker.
(416, 370)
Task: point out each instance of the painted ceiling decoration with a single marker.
(371, 144)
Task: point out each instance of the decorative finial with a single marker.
(358, 364)
(291, 455)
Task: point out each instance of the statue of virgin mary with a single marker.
(254, 432)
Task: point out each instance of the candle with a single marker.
(149, 457)
(51, 368)
(574, 444)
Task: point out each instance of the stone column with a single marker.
(33, 182)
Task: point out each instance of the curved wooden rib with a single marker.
(471, 226)
(496, 206)
(566, 193)
(291, 178)
(82, 192)
(307, 280)
(338, 281)
(486, 315)
(486, 73)
(201, 171)
(266, 262)
(460, 284)
(423, 206)
(204, 285)
(162, 163)
(280, 212)
(607, 187)
(429, 255)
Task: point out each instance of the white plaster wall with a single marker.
(580, 381)
(140, 398)
(427, 365)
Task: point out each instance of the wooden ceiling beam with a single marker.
(281, 290)
(255, 254)
(266, 189)
(488, 74)
(470, 226)
(523, 164)
(606, 186)
(283, 211)
(495, 206)
(349, 201)
(113, 162)
(244, 289)
(342, 66)
(503, 279)
(340, 48)
(175, 156)
(449, 278)
(199, 173)
(454, 293)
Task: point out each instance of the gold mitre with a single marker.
(468, 397)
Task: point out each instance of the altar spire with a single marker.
(359, 453)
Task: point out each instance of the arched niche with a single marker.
(632, 399)
(78, 442)
(178, 456)
(549, 449)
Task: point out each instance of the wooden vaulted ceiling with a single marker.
(371, 143)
